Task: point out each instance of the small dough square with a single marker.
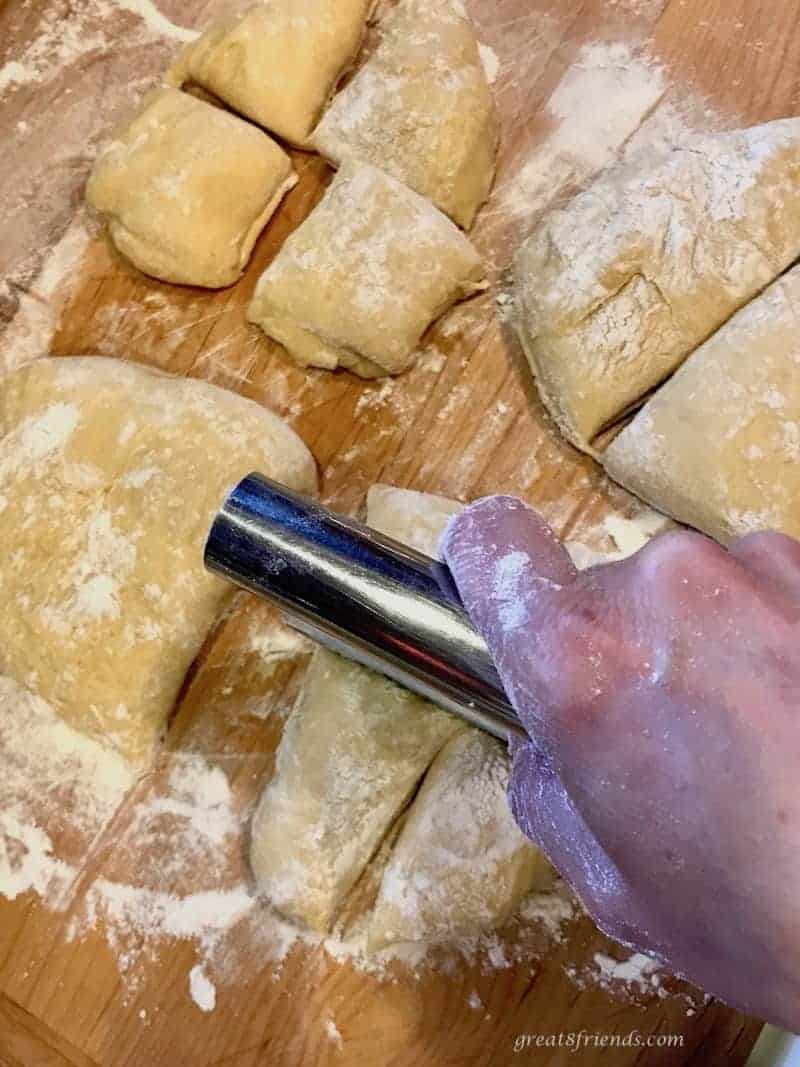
(279, 62)
(421, 109)
(359, 282)
(187, 188)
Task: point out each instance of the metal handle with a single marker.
(364, 595)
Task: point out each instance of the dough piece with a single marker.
(355, 748)
(416, 519)
(359, 282)
(279, 62)
(718, 446)
(110, 475)
(187, 189)
(353, 751)
(615, 290)
(461, 865)
(420, 108)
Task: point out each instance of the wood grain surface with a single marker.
(465, 422)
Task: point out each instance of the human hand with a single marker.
(661, 695)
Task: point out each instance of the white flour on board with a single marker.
(613, 101)
(600, 101)
(64, 38)
(30, 332)
(176, 871)
(490, 62)
(637, 970)
(202, 991)
(333, 1033)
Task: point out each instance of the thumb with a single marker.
(547, 815)
(507, 566)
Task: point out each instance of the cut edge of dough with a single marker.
(252, 235)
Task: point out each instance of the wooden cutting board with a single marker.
(465, 422)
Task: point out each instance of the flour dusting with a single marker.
(490, 62)
(202, 991)
(58, 791)
(333, 1033)
(600, 101)
(63, 40)
(30, 332)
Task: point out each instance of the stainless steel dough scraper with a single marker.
(363, 595)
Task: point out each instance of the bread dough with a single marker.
(359, 282)
(718, 446)
(460, 865)
(110, 475)
(615, 290)
(279, 62)
(187, 189)
(421, 109)
(415, 519)
(353, 751)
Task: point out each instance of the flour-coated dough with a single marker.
(187, 188)
(110, 475)
(718, 446)
(460, 865)
(421, 109)
(279, 62)
(616, 289)
(359, 282)
(354, 750)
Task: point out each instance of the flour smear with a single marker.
(601, 100)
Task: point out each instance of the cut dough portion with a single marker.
(416, 519)
(359, 282)
(461, 865)
(279, 62)
(187, 189)
(421, 109)
(353, 751)
(618, 288)
(718, 446)
(110, 475)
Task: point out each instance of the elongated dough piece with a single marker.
(279, 62)
(110, 475)
(718, 446)
(421, 109)
(359, 282)
(615, 290)
(187, 189)
(461, 865)
(353, 751)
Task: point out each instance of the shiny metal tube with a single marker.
(361, 594)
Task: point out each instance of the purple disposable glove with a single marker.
(662, 698)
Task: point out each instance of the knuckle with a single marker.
(681, 556)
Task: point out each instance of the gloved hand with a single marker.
(662, 699)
